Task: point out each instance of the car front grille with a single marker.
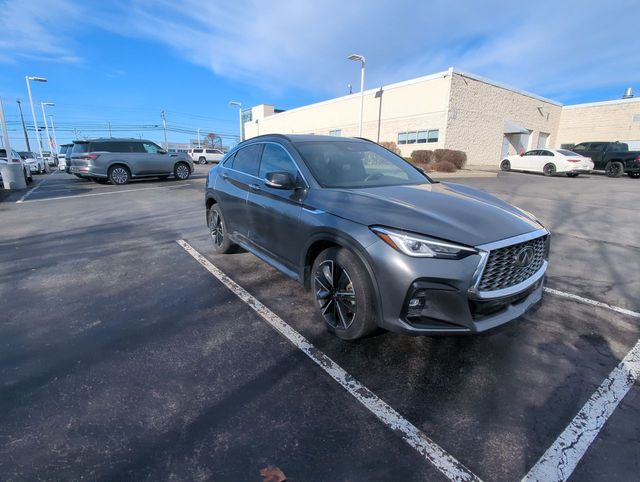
(502, 270)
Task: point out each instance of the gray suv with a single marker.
(378, 242)
(120, 160)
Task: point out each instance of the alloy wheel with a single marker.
(182, 171)
(335, 295)
(216, 229)
(120, 175)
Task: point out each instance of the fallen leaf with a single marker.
(272, 473)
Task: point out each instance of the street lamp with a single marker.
(233, 102)
(53, 128)
(361, 59)
(46, 125)
(33, 113)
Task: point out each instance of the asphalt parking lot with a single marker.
(123, 357)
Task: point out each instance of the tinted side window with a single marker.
(80, 148)
(197, 151)
(598, 146)
(618, 147)
(246, 159)
(276, 159)
(581, 147)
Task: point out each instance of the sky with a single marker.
(123, 62)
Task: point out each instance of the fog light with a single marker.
(416, 304)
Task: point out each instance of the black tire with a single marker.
(549, 169)
(342, 289)
(633, 175)
(614, 169)
(218, 231)
(505, 165)
(202, 160)
(573, 174)
(119, 175)
(181, 171)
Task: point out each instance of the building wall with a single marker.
(617, 120)
(419, 104)
(478, 110)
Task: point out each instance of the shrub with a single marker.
(457, 158)
(422, 156)
(444, 166)
(392, 146)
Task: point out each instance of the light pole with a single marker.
(361, 59)
(46, 126)
(164, 128)
(199, 146)
(33, 113)
(233, 102)
(24, 128)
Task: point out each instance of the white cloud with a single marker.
(37, 29)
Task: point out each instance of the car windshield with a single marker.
(356, 165)
(565, 152)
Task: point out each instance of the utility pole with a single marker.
(164, 128)
(199, 137)
(24, 128)
(75, 133)
(110, 135)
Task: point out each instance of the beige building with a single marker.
(453, 110)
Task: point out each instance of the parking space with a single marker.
(121, 356)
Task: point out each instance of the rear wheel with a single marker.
(202, 160)
(573, 174)
(218, 231)
(182, 171)
(343, 291)
(633, 175)
(119, 175)
(505, 165)
(549, 169)
(614, 169)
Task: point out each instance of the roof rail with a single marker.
(282, 136)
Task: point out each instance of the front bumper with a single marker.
(448, 301)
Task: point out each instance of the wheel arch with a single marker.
(321, 241)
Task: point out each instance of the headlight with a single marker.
(419, 246)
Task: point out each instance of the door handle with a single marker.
(254, 187)
(225, 175)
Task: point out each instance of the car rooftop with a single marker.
(307, 138)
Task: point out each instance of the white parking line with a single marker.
(560, 460)
(31, 191)
(599, 304)
(101, 193)
(433, 453)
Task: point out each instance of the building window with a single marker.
(335, 132)
(247, 115)
(419, 137)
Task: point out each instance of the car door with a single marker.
(274, 213)
(156, 161)
(233, 182)
(527, 161)
(592, 150)
(541, 159)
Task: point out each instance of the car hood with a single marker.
(447, 211)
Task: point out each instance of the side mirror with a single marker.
(162, 151)
(522, 154)
(280, 180)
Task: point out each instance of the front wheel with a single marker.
(573, 174)
(181, 171)
(505, 165)
(549, 169)
(202, 160)
(342, 289)
(633, 175)
(614, 169)
(218, 231)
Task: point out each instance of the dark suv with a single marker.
(377, 241)
(119, 160)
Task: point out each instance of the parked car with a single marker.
(376, 240)
(614, 158)
(15, 157)
(35, 163)
(203, 156)
(49, 158)
(549, 162)
(120, 160)
(62, 156)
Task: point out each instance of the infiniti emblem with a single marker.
(524, 257)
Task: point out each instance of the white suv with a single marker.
(203, 156)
